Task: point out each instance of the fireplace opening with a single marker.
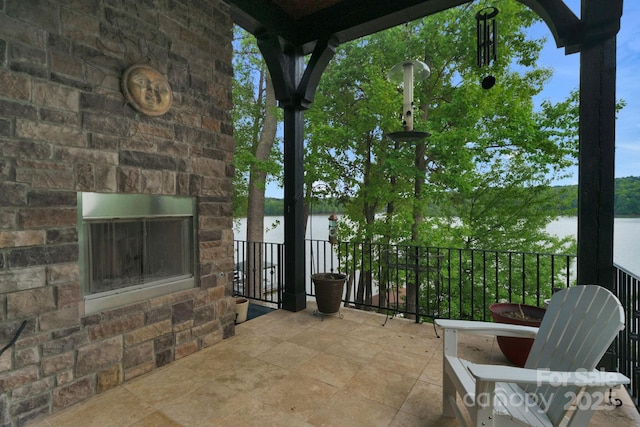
(131, 253)
(134, 247)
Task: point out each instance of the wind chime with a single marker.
(487, 43)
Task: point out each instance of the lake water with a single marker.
(626, 239)
(626, 251)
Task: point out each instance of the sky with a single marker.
(566, 70)
(566, 77)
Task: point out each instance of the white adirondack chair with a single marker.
(558, 385)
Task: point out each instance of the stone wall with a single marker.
(65, 127)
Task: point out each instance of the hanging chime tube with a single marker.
(487, 41)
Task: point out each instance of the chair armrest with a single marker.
(488, 328)
(498, 373)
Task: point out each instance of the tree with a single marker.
(482, 179)
(255, 121)
(627, 200)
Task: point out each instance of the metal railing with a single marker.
(413, 281)
(431, 282)
(258, 272)
(627, 345)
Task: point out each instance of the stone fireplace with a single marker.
(116, 241)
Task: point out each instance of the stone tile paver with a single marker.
(299, 369)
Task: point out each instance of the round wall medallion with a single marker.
(147, 90)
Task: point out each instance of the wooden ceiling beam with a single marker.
(347, 20)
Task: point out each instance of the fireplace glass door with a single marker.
(137, 252)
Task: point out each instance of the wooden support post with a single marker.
(596, 158)
(295, 89)
(596, 177)
(294, 297)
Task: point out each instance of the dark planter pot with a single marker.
(329, 287)
(516, 349)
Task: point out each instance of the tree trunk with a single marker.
(257, 179)
(365, 284)
(385, 277)
(414, 286)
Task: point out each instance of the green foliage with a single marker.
(275, 207)
(248, 114)
(627, 197)
(481, 181)
(567, 197)
(627, 201)
(491, 154)
(563, 197)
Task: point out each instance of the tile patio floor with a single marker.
(297, 369)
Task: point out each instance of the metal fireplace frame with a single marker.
(96, 207)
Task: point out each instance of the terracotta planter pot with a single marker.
(329, 288)
(516, 350)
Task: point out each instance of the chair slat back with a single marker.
(577, 329)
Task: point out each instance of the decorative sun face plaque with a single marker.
(147, 90)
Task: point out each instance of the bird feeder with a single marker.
(405, 74)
